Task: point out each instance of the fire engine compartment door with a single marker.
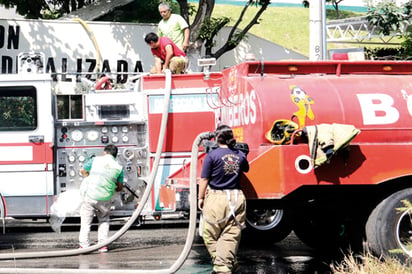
(26, 150)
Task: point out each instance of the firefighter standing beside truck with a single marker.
(103, 175)
(222, 201)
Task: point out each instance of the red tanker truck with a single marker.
(330, 150)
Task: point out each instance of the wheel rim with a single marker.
(404, 232)
(264, 219)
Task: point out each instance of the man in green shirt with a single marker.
(103, 175)
(173, 26)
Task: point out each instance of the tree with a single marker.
(236, 36)
(390, 18)
(335, 4)
(204, 28)
(31, 9)
(305, 3)
(35, 9)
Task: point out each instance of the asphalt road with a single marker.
(153, 246)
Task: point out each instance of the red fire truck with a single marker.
(329, 150)
(48, 129)
(292, 114)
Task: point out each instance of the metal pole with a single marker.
(317, 30)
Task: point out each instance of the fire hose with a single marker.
(192, 219)
(93, 38)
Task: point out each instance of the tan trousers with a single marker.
(88, 209)
(221, 232)
(177, 65)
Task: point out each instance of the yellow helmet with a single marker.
(281, 132)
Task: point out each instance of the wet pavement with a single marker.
(153, 246)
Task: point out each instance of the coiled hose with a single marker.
(192, 220)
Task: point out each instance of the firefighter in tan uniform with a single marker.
(222, 202)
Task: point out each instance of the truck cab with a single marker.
(26, 144)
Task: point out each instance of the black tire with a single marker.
(388, 230)
(317, 231)
(327, 230)
(266, 226)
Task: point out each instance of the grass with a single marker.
(286, 26)
(368, 264)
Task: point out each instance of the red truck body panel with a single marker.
(372, 96)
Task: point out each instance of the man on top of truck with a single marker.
(173, 26)
(166, 54)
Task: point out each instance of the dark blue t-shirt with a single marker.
(223, 167)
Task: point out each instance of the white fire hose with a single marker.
(192, 220)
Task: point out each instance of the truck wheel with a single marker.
(314, 231)
(266, 225)
(389, 229)
(329, 230)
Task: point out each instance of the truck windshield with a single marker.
(18, 108)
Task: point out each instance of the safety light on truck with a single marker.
(293, 68)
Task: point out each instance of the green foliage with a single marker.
(30, 9)
(407, 46)
(191, 9)
(142, 11)
(390, 18)
(236, 38)
(387, 16)
(17, 111)
(211, 26)
(407, 7)
(35, 9)
(51, 14)
(385, 53)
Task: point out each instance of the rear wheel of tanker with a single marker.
(266, 226)
(329, 230)
(389, 227)
(315, 231)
